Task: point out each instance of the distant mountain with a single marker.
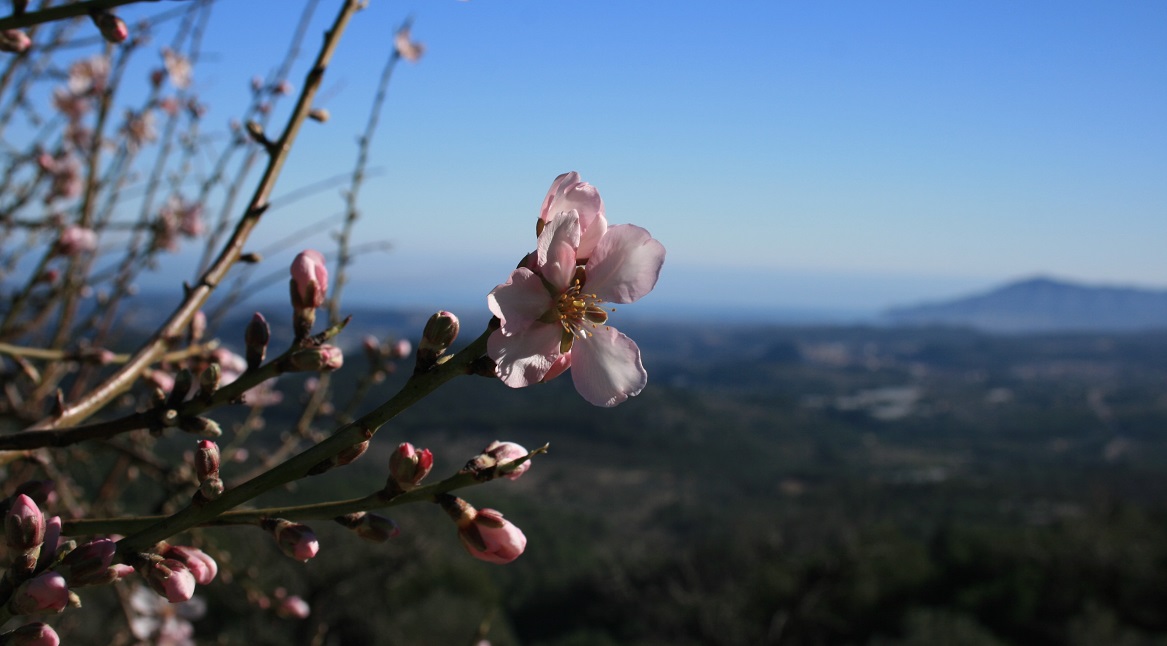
(1044, 304)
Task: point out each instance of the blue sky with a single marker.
(816, 155)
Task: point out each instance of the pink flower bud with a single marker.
(323, 358)
(24, 526)
(45, 593)
(309, 280)
(35, 634)
(440, 331)
(88, 564)
(112, 28)
(169, 578)
(490, 537)
(206, 460)
(14, 41)
(293, 607)
(296, 540)
(201, 565)
(504, 452)
(408, 466)
(75, 240)
(52, 537)
(283, 88)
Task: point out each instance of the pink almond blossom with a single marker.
(553, 313)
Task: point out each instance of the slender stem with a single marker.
(315, 511)
(299, 466)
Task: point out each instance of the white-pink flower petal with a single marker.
(625, 265)
(606, 367)
(524, 359)
(562, 229)
(520, 301)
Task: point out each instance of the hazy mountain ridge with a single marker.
(1044, 304)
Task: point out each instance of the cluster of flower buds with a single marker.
(440, 332)
(309, 287)
(92, 564)
(75, 240)
(484, 533)
(34, 634)
(374, 528)
(296, 540)
(407, 467)
(202, 567)
(206, 464)
(498, 459)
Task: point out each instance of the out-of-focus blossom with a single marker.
(178, 68)
(66, 179)
(293, 607)
(75, 240)
(89, 76)
(283, 88)
(72, 106)
(553, 316)
(159, 379)
(401, 349)
(407, 48)
(138, 129)
(231, 365)
(163, 624)
(14, 41)
(170, 105)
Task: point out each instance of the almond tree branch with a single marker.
(61, 12)
(197, 296)
(417, 388)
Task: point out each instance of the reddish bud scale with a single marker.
(34, 634)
